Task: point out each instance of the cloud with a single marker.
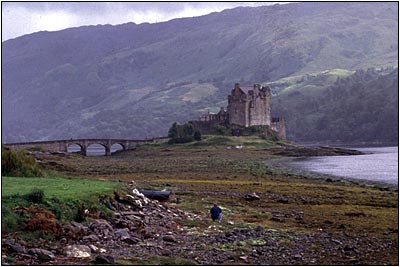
(21, 18)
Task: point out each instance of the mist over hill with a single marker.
(133, 81)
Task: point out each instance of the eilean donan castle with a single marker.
(247, 106)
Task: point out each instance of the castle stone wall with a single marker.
(278, 125)
(238, 110)
(259, 108)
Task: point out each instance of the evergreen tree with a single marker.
(197, 135)
(173, 131)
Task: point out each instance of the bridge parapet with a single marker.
(62, 145)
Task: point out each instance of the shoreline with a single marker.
(346, 145)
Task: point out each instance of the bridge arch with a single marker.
(74, 146)
(95, 149)
(117, 146)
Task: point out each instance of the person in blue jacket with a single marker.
(216, 213)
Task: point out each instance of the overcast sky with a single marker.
(19, 18)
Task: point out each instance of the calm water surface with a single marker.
(381, 165)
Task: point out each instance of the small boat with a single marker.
(157, 195)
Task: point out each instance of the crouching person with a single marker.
(216, 213)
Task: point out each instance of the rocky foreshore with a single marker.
(137, 228)
(300, 151)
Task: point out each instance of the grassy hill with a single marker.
(133, 81)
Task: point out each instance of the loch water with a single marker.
(378, 164)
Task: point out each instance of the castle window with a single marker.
(252, 104)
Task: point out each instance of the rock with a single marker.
(91, 238)
(130, 224)
(259, 228)
(102, 259)
(42, 254)
(4, 262)
(283, 200)
(101, 226)
(278, 219)
(348, 248)
(15, 248)
(169, 238)
(93, 248)
(337, 241)
(130, 240)
(75, 230)
(77, 251)
(245, 258)
(78, 225)
(122, 233)
(252, 196)
(297, 256)
(128, 199)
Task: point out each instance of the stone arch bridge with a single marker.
(62, 145)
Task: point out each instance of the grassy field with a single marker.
(63, 189)
(63, 196)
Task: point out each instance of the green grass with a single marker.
(64, 197)
(213, 141)
(63, 189)
(249, 142)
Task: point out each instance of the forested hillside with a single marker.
(135, 80)
(362, 107)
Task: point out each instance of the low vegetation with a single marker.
(18, 163)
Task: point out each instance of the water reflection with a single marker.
(95, 149)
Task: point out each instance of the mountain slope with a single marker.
(129, 80)
(361, 107)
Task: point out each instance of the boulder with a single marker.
(103, 259)
(100, 226)
(14, 248)
(283, 200)
(122, 233)
(77, 251)
(169, 238)
(93, 248)
(75, 230)
(42, 254)
(91, 238)
(130, 240)
(259, 228)
(140, 195)
(252, 196)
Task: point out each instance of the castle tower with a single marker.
(249, 106)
